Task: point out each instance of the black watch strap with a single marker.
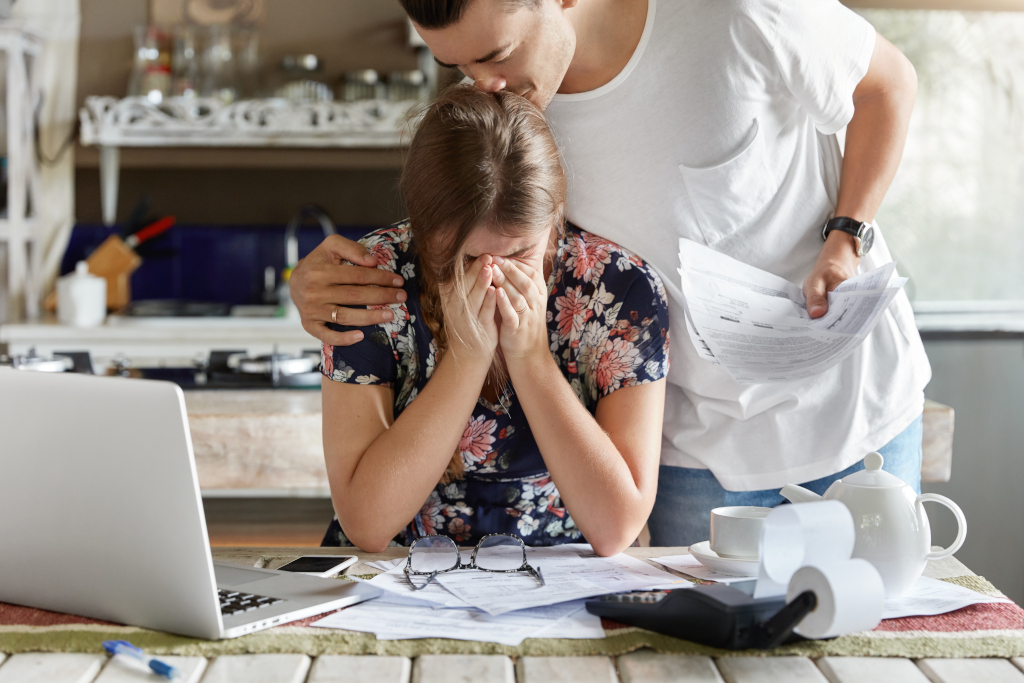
(863, 233)
(843, 224)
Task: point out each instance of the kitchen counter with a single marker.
(159, 342)
(258, 443)
(270, 442)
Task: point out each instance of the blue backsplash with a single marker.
(204, 262)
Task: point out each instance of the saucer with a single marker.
(721, 565)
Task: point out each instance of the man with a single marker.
(713, 121)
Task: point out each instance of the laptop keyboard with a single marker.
(232, 602)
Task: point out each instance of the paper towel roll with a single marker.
(794, 536)
(850, 597)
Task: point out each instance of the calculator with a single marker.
(725, 616)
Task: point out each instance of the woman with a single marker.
(532, 350)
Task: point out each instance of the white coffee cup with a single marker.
(736, 531)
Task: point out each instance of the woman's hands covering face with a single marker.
(472, 329)
(522, 301)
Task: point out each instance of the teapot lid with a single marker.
(873, 475)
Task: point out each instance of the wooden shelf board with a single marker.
(245, 157)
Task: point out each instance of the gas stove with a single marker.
(235, 369)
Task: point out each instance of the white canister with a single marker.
(81, 298)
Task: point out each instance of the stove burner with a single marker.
(175, 308)
(220, 370)
(39, 363)
(238, 368)
(275, 363)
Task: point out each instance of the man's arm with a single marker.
(321, 285)
(875, 136)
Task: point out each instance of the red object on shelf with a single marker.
(150, 231)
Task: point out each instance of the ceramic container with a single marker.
(81, 298)
(892, 530)
(736, 531)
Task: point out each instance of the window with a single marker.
(954, 216)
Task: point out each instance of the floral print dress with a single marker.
(608, 324)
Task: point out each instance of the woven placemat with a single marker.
(987, 630)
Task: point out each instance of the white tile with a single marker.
(565, 670)
(873, 669)
(646, 666)
(360, 669)
(769, 670)
(463, 669)
(52, 667)
(123, 669)
(257, 669)
(968, 671)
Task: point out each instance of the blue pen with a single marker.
(123, 647)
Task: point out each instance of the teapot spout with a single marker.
(798, 494)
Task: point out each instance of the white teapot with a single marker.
(891, 525)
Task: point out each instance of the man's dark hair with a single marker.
(435, 14)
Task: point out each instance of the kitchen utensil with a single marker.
(150, 231)
(736, 531)
(892, 530)
(136, 220)
(115, 261)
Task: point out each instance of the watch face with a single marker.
(867, 238)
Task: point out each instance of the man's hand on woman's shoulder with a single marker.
(325, 287)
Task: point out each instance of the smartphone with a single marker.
(324, 566)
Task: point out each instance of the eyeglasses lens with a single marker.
(433, 554)
(500, 553)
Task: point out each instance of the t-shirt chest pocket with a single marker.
(726, 196)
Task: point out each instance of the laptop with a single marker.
(101, 515)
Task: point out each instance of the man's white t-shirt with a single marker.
(721, 129)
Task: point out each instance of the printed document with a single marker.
(691, 566)
(396, 618)
(571, 572)
(756, 326)
(930, 596)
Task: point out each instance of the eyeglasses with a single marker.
(500, 553)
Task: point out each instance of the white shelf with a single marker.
(204, 124)
(194, 122)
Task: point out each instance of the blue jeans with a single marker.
(686, 496)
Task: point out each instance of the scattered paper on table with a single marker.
(397, 618)
(571, 572)
(755, 324)
(691, 566)
(385, 565)
(929, 597)
(395, 582)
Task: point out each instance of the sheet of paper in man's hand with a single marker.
(756, 326)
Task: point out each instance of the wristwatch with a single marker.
(864, 233)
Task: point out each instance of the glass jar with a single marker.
(301, 80)
(151, 72)
(363, 84)
(220, 79)
(404, 86)
(184, 65)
